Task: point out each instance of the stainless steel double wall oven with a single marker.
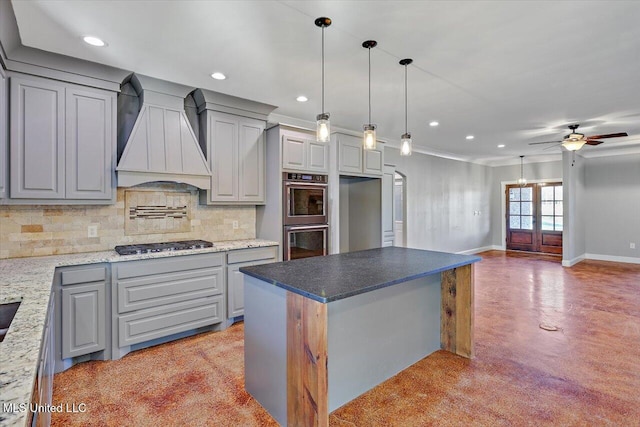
(306, 228)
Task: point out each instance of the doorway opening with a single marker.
(534, 217)
(399, 209)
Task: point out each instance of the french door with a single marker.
(534, 217)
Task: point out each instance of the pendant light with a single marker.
(405, 140)
(369, 141)
(323, 127)
(522, 181)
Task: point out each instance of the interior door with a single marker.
(534, 217)
(521, 234)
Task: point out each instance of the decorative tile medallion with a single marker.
(152, 212)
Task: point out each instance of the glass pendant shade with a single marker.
(405, 145)
(369, 137)
(522, 181)
(405, 139)
(573, 145)
(323, 127)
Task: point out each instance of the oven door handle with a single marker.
(307, 227)
(304, 184)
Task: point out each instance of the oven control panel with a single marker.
(305, 177)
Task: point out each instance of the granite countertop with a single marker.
(29, 280)
(335, 277)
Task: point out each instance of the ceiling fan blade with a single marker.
(551, 146)
(592, 142)
(609, 135)
(546, 142)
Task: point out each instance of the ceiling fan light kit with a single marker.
(323, 126)
(405, 139)
(575, 140)
(369, 141)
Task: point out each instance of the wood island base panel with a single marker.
(305, 357)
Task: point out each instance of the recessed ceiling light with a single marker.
(501, 146)
(94, 41)
(470, 137)
(302, 98)
(434, 123)
(218, 76)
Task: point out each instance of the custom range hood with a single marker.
(156, 141)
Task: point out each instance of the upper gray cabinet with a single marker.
(89, 143)
(232, 132)
(37, 138)
(4, 129)
(62, 142)
(353, 160)
(304, 154)
(235, 147)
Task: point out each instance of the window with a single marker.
(521, 208)
(551, 208)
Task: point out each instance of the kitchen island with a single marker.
(321, 331)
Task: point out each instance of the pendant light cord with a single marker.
(405, 101)
(369, 85)
(323, 70)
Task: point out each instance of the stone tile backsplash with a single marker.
(51, 230)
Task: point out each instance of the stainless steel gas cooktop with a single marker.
(162, 247)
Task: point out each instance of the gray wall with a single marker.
(442, 196)
(510, 174)
(612, 205)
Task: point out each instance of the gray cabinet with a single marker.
(304, 154)
(83, 311)
(354, 160)
(62, 141)
(4, 133)
(157, 298)
(236, 155)
(37, 138)
(43, 387)
(235, 279)
(89, 143)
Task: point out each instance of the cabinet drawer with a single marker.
(168, 265)
(158, 290)
(88, 275)
(167, 320)
(253, 254)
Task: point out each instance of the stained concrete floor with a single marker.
(587, 372)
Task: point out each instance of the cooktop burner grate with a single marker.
(162, 247)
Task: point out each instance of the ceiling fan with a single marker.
(574, 141)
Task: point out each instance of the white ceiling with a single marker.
(507, 72)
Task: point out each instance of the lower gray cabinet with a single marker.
(156, 298)
(83, 319)
(43, 389)
(235, 279)
(83, 311)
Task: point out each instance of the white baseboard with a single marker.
(627, 259)
(482, 249)
(572, 262)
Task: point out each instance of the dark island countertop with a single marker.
(334, 277)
